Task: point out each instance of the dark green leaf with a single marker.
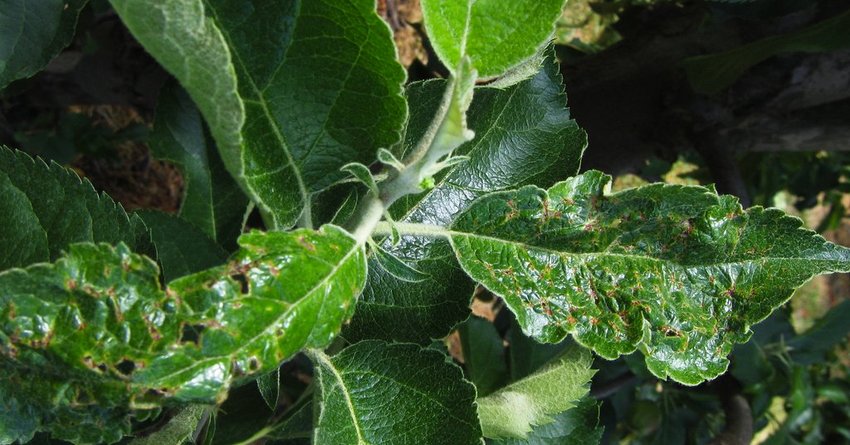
(32, 33)
(523, 135)
(677, 271)
(269, 386)
(89, 338)
(211, 199)
(48, 207)
(495, 34)
(514, 410)
(714, 72)
(813, 345)
(397, 268)
(483, 355)
(527, 355)
(375, 392)
(181, 248)
(576, 426)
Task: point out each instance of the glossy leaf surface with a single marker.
(677, 271)
(495, 34)
(212, 200)
(47, 207)
(514, 410)
(32, 33)
(524, 134)
(95, 335)
(376, 392)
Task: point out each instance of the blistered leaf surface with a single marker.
(93, 335)
(48, 207)
(32, 33)
(677, 271)
(523, 134)
(495, 34)
(374, 392)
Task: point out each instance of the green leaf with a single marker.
(812, 346)
(48, 208)
(32, 33)
(211, 200)
(375, 392)
(92, 337)
(512, 411)
(576, 426)
(714, 72)
(495, 34)
(189, 45)
(524, 135)
(397, 268)
(317, 80)
(677, 271)
(362, 174)
(483, 355)
(181, 248)
(178, 429)
(528, 355)
(269, 386)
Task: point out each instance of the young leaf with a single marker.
(576, 426)
(211, 200)
(50, 207)
(95, 335)
(318, 81)
(524, 134)
(181, 248)
(677, 271)
(189, 45)
(179, 428)
(423, 398)
(495, 34)
(512, 411)
(269, 386)
(362, 174)
(32, 33)
(396, 267)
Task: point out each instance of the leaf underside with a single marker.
(93, 336)
(524, 135)
(677, 271)
(376, 392)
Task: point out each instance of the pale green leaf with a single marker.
(362, 174)
(524, 135)
(576, 426)
(189, 45)
(375, 392)
(677, 271)
(514, 410)
(212, 200)
(47, 207)
(32, 33)
(179, 428)
(497, 35)
(93, 338)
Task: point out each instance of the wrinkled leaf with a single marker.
(32, 33)
(514, 410)
(179, 428)
(524, 134)
(677, 271)
(89, 338)
(46, 208)
(211, 199)
(495, 34)
(181, 248)
(375, 392)
(576, 426)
